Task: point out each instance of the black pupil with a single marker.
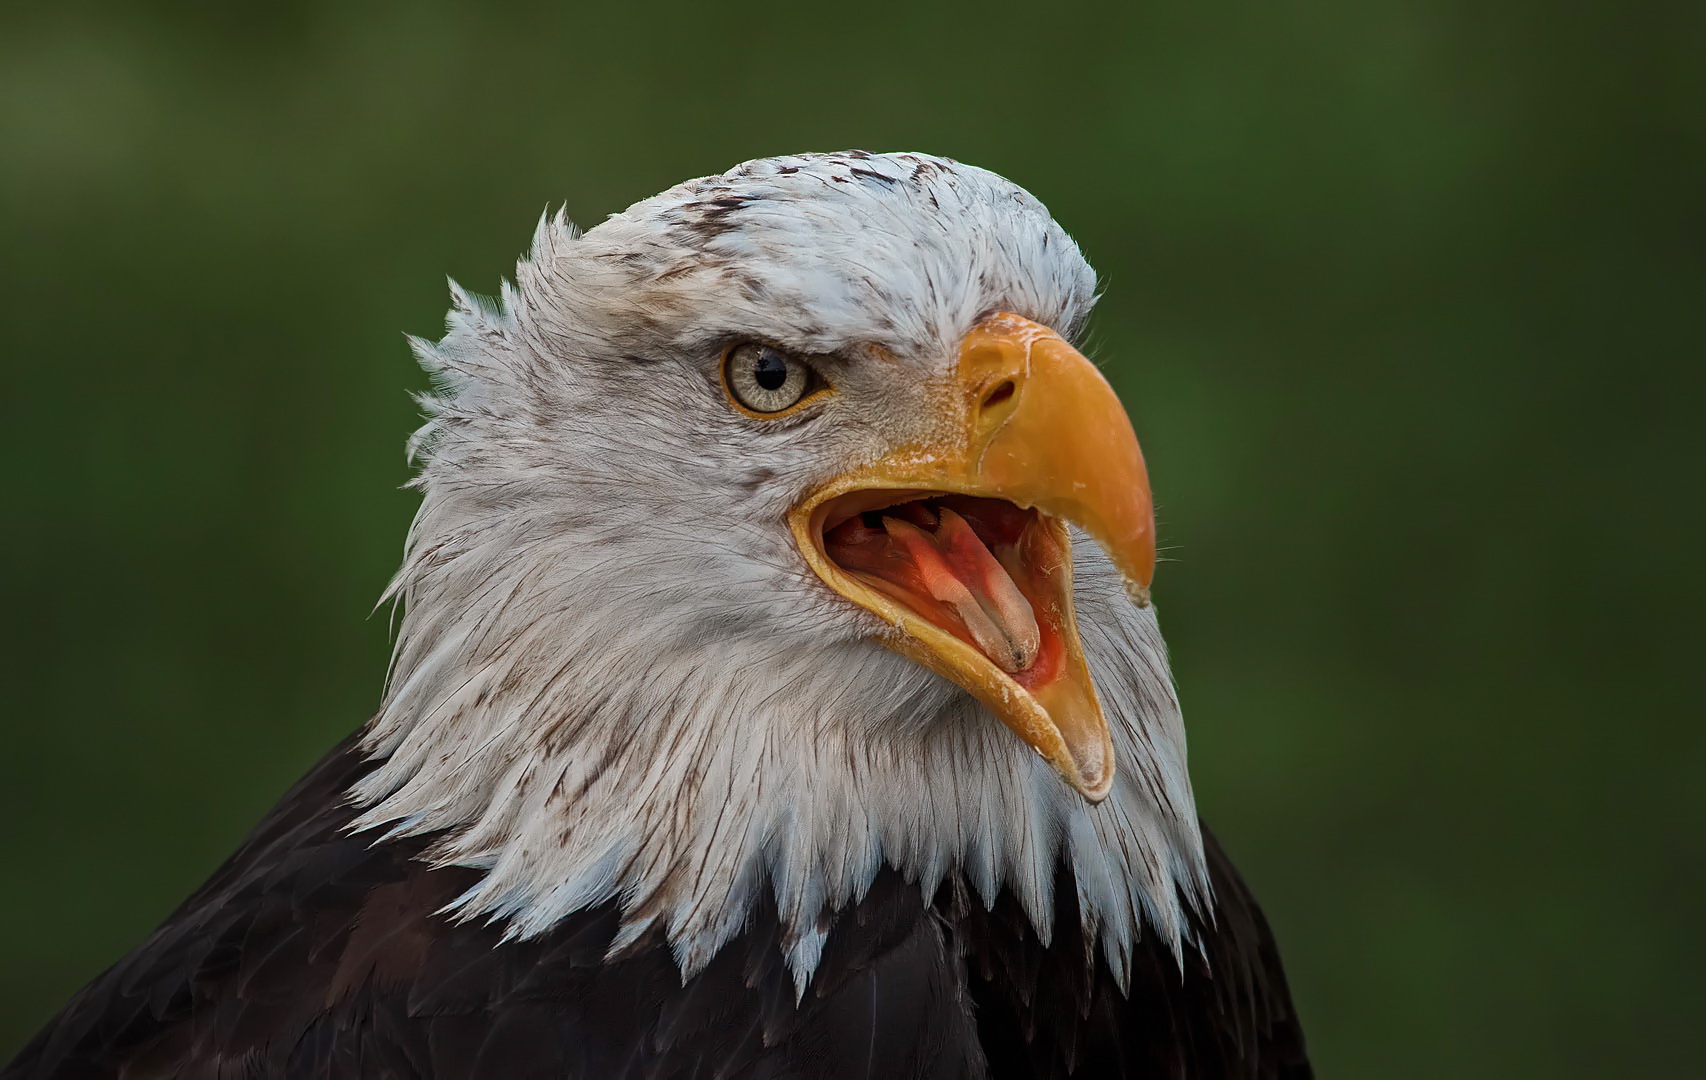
(771, 370)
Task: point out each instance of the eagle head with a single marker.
(773, 533)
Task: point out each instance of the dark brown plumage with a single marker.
(313, 953)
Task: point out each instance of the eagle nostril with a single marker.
(998, 395)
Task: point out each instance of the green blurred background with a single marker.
(1405, 298)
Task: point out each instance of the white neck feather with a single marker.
(589, 745)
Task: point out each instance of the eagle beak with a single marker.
(960, 543)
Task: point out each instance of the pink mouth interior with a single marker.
(987, 571)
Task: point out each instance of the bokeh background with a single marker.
(1405, 297)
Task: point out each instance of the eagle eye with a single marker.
(765, 381)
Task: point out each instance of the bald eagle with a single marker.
(777, 692)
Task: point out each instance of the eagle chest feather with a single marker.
(313, 952)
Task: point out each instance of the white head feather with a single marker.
(617, 680)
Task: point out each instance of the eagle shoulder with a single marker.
(313, 951)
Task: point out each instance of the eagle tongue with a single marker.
(958, 570)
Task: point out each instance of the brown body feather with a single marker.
(314, 953)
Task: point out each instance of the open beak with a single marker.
(960, 543)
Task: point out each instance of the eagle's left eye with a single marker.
(765, 380)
